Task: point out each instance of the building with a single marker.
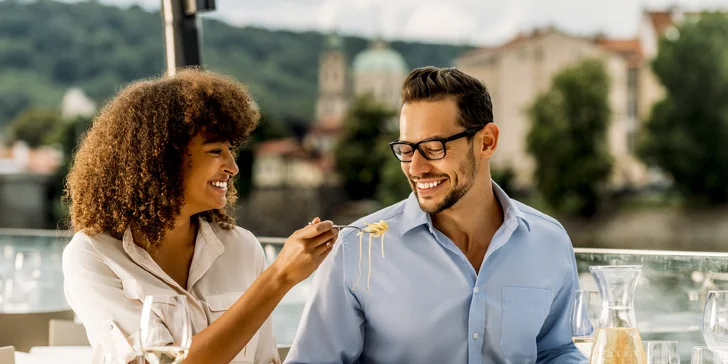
(522, 68)
(377, 70)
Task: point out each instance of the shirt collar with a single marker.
(207, 248)
(413, 216)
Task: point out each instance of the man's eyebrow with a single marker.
(436, 136)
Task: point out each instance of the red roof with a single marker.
(291, 148)
(661, 21)
(629, 48)
(286, 146)
(328, 123)
(515, 40)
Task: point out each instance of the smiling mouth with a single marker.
(219, 185)
(428, 185)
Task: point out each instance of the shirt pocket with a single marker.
(138, 290)
(219, 304)
(524, 311)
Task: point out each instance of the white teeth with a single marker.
(219, 184)
(428, 185)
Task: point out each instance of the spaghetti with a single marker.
(375, 230)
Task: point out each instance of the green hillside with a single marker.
(47, 47)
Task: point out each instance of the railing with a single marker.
(668, 303)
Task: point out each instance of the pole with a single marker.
(182, 32)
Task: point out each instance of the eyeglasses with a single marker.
(432, 149)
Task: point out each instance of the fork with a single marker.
(344, 226)
(347, 226)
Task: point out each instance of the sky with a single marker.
(477, 22)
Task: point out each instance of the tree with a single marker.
(685, 135)
(47, 47)
(356, 156)
(68, 136)
(568, 139)
(36, 126)
(505, 178)
(393, 185)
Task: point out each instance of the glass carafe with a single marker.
(617, 340)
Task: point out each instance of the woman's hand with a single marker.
(304, 251)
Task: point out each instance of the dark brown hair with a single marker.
(437, 84)
(130, 165)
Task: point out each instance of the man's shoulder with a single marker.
(390, 214)
(537, 217)
(541, 222)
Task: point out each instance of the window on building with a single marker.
(538, 53)
(632, 93)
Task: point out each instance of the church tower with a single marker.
(333, 86)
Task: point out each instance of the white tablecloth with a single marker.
(55, 355)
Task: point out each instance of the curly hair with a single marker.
(130, 164)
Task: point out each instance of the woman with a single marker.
(150, 195)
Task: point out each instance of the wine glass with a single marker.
(585, 319)
(703, 355)
(661, 352)
(165, 331)
(715, 322)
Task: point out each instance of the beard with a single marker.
(467, 171)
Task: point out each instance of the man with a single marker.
(465, 275)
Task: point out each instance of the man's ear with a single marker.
(489, 140)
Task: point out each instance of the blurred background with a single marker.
(613, 114)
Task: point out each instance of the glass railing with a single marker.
(669, 298)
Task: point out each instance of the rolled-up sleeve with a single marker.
(331, 330)
(554, 342)
(96, 295)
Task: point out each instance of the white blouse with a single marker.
(106, 281)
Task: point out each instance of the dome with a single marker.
(379, 58)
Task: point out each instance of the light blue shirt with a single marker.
(426, 304)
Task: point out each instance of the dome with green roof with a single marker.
(379, 58)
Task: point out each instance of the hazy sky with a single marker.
(469, 21)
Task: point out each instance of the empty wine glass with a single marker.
(661, 352)
(715, 322)
(165, 330)
(585, 319)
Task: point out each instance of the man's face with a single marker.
(438, 184)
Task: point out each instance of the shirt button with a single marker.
(475, 335)
(476, 290)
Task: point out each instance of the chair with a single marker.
(7, 355)
(26, 330)
(283, 352)
(66, 333)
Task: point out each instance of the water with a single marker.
(669, 298)
(45, 293)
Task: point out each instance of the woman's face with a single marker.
(211, 165)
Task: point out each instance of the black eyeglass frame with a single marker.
(416, 146)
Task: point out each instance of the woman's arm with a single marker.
(227, 336)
